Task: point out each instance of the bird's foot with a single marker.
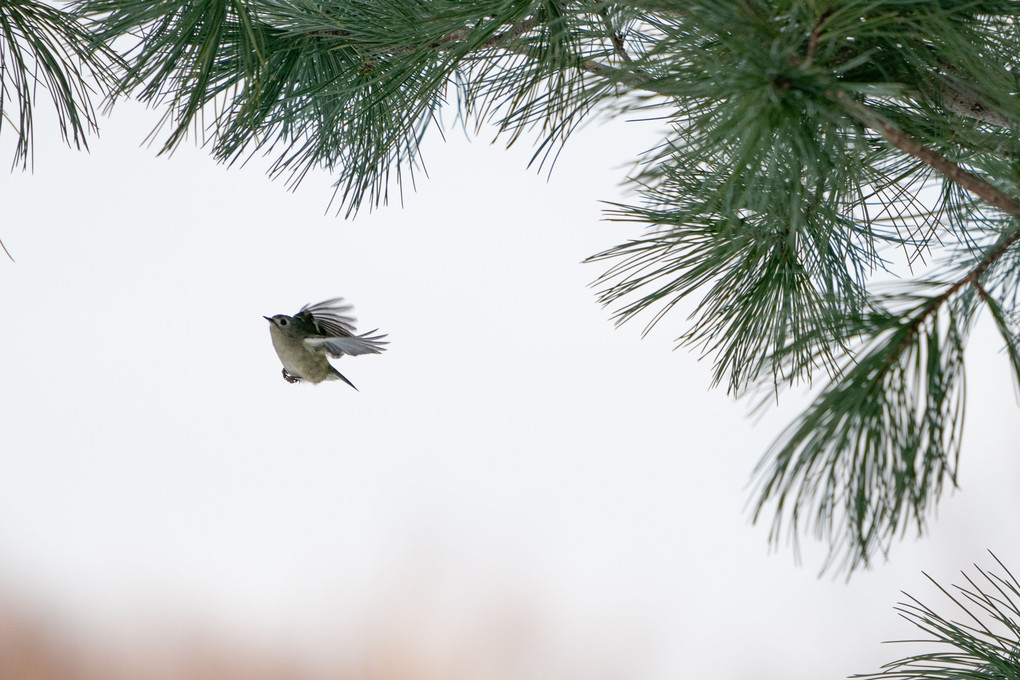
(290, 378)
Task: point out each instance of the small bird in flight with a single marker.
(303, 341)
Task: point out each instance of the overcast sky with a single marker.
(511, 446)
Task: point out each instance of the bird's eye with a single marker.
(283, 322)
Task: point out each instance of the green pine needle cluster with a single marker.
(985, 646)
(45, 51)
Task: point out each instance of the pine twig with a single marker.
(906, 143)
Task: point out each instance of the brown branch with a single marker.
(615, 37)
(816, 34)
(513, 32)
(450, 39)
(974, 276)
(619, 47)
(632, 79)
(966, 101)
(957, 95)
(906, 143)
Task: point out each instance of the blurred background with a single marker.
(519, 490)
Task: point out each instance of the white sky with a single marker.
(510, 446)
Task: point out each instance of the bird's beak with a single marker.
(268, 318)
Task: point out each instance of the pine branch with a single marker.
(816, 34)
(7, 252)
(453, 39)
(877, 443)
(447, 42)
(633, 79)
(950, 170)
(967, 101)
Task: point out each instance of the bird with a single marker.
(325, 329)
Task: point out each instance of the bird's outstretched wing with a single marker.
(365, 343)
(330, 317)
